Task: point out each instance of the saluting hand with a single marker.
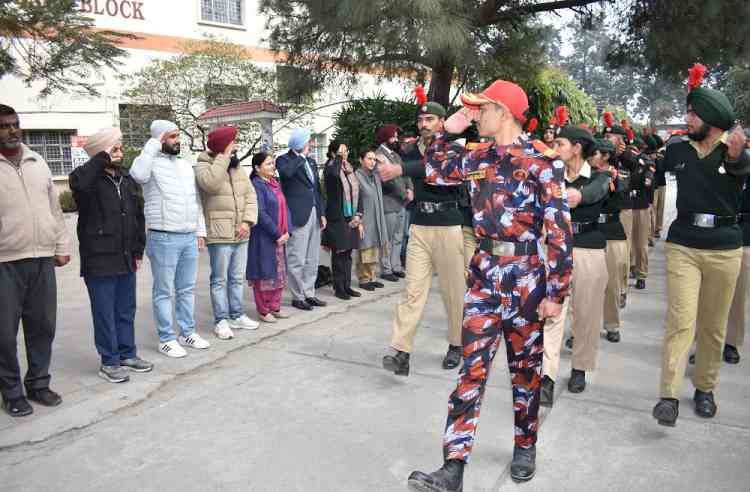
(388, 171)
(736, 143)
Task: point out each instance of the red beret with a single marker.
(386, 133)
(220, 138)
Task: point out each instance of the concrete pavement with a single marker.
(305, 405)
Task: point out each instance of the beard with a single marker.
(700, 134)
(171, 149)
(393, 146)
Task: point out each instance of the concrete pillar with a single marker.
(266, 134)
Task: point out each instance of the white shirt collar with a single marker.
(585, 172)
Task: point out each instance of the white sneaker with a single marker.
(194, 341)
(222, 330)
(172, 349)
(243, 323)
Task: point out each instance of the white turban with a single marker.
(104, 139)
(160, 127)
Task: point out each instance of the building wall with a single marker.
(161, 26)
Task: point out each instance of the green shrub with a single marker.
(67, 203)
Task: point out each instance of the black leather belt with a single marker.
(508, 248)
(743, 217)
(435, 207)
(609, 218)
(709, 221)
(582, 227)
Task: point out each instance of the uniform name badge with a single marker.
(476, 175)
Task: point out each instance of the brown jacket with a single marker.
(32, 224)
(228, 198)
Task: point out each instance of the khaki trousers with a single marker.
(470, 247)
(700, 287)
(367, 262)
(738, 310)
(626, 218)
(639, 243)
(617, 269)
(659, 197)
(430, 249)
(586, 305)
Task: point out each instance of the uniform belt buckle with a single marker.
(704, 220)
(427, 207)
(603, 218)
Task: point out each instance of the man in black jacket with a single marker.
(112, 236)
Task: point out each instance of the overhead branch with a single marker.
(491, 12)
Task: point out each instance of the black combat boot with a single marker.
(523, 466)
(704, 404)
(666, 411)
(547, 393)
(449, 478)
(397, 363)
(577, 382)
(452, 357)
(731, 354)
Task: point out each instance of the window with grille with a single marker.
(54, 147)
(135, 122)
(222, 11)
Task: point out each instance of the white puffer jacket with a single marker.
(171, 194)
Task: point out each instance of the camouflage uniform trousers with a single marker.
(502, 300)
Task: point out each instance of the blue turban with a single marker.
(299, 138)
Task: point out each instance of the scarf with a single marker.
(350, 185)
(282, 218)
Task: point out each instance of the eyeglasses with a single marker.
(7, 126)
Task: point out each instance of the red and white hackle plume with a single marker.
(533, 123)
(609, 119)
(628, 130)
(420, 94)
(562, 116)
(696, 74)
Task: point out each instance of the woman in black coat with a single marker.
(344, 212)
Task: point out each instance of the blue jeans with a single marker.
(113, 311)
(228, 261)
(174, 266)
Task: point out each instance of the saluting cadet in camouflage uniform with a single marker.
(517, 188)
(704, 247)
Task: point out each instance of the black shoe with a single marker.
(453, 358)
(623, 301)
(691, 359)
(449, 478)
(342, 295)
(640, 284)
(547, 393)
(577, 381)
(569, 343)
(17, 407)
(731, 355)
(704, 404)
(400, 274)
(523, 466)
(367, 286)
(650, 242)
(666, 411)
(657, 235)
(302, 305)
(353, 293)
(44, 396)
(377, 285)
(314, 301)
(398, 364)
(632, 274)
(613, 336)
(389, 277)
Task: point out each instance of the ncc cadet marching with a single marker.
(587, 191)
(617, 246)
(738, 310)
(436, 243)
(704, 246)
(641, 209)
(625, 159)
(516, 189)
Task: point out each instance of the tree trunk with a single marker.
(440, 84)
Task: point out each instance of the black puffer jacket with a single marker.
(111, 225)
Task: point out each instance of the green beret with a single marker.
(576, 134)
(432, 108)
(604, 145)
(651, 143)
(639, 142)
(712, 107)
(616, 129)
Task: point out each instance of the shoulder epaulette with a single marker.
(543, 149)
(471, 146)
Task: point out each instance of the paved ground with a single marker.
(305, 406)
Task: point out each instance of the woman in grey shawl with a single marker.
(374, 234)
